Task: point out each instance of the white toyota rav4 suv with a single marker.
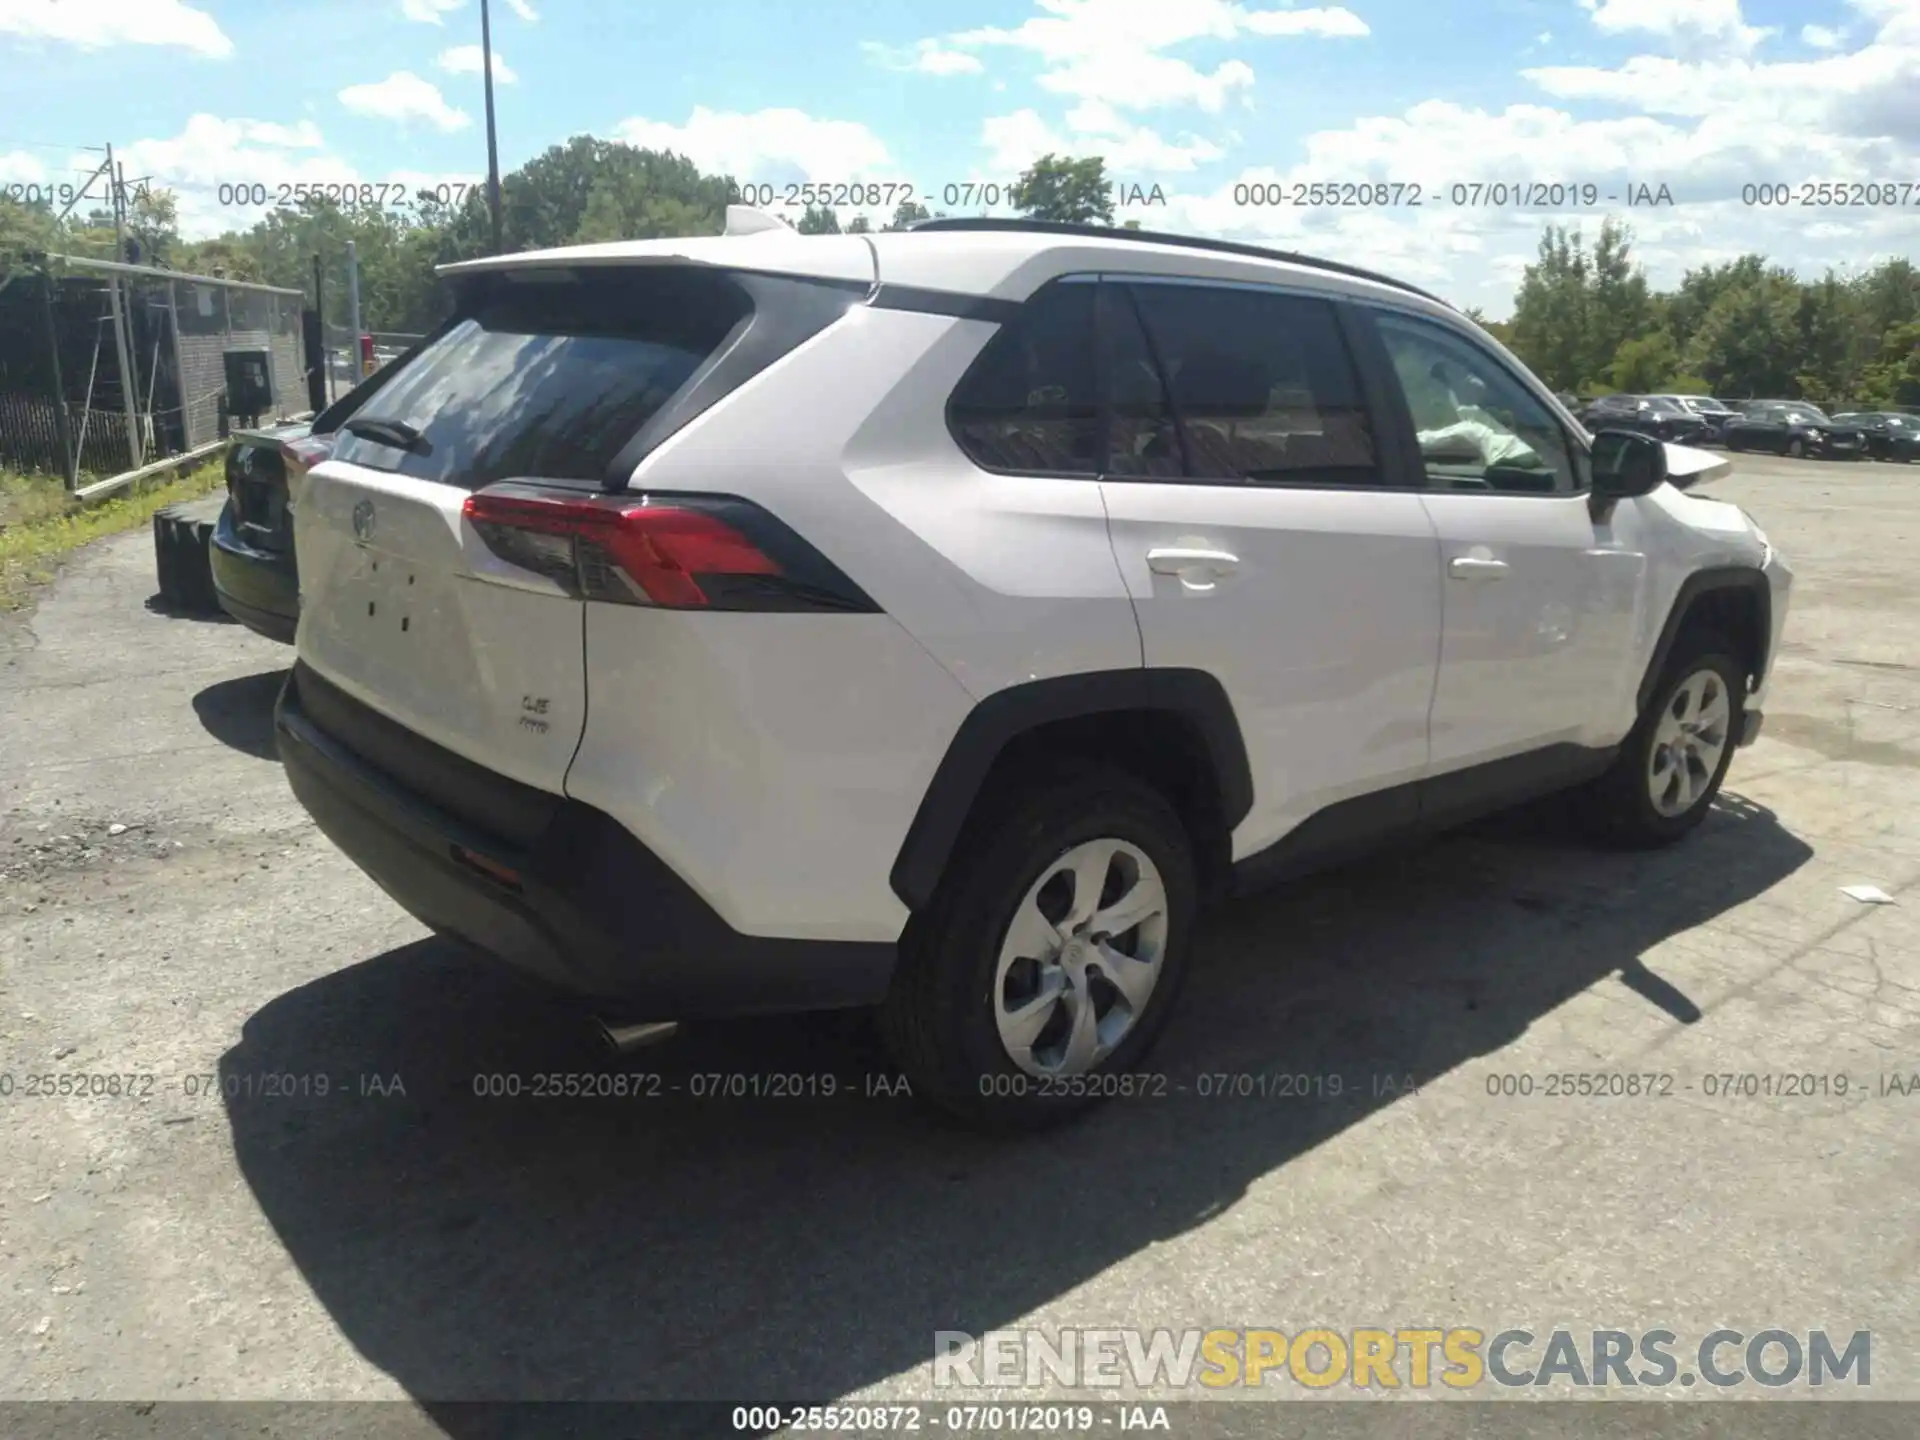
(935, 620)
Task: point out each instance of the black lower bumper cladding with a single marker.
(555, 888)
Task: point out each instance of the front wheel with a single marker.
(1672, 763)
(1796, 449)
(1050, 957)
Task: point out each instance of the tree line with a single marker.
(1585, 318)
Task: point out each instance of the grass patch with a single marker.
(40, 524)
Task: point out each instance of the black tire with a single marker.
(1619, 804)
(181, 536)
(938, 1018)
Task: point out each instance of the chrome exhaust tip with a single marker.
(622, 1039)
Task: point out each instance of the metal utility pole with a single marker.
(353, 304)
(493, 149)
(65, 211)
(320, 387)
(69, 458)
(128, 381)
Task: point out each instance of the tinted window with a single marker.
(549, 379)
(1143, 437)
(1031, 401)
(1261, 383)
(1477, 426)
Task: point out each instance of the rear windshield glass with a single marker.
(547, 379)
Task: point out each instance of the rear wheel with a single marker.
(1050, 957)
(1671, 765)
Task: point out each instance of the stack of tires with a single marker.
(181, 536)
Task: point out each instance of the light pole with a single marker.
(493, 149)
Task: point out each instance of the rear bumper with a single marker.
(582, 904)
(259, 588)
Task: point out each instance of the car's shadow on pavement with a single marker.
(665, 1247)
(158, 604)
(239, 712)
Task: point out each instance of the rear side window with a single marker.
(1261, 384)
(548, 378)
(1031, 401)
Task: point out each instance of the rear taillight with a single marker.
(306, 452)
(300, 456)
(675, 552)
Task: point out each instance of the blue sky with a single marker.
(1201, 98)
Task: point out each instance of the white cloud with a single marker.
(95, 24)
(466, 60)
(1013, 142)
(405, 97)
(218, 167)
(766, 144)
(1705, 127)
(304, 135)
(927, 57)
(212, 152)
(1861, 109)
(17, 167)
(1713, 23)
(525, 11)
(429, 11)
(1821, 37)
(1111, 49)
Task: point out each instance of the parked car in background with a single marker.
(1715, 412)
(251, 551)
(1793, 428)
(1890, 434)
(1659, 416)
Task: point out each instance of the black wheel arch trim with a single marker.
(1705, 582)
(1007, 714)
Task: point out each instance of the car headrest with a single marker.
(1210, 385)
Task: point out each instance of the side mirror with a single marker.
(1626, 464)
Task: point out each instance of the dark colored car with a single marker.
(1715, 412)
(251, 550)
(1890, 434)
(1654, 415)
(1793, 428)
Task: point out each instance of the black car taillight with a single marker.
(673, 552)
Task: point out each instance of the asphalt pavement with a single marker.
(301, 1191)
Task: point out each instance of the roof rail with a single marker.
(1161, 237)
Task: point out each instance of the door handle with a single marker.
(1185, 561)
(1473, 567)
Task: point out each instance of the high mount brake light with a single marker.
(677, 553)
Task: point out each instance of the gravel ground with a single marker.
(221, 1229)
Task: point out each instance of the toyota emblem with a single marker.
(363, 521)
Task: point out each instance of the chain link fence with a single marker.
(118, 366)
(346, 366)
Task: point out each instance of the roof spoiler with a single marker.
(747, 220)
